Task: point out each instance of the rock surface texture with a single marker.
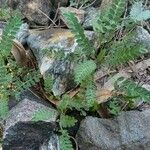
(128, 131)
(58, 40)
(36, 11)
(21, 133)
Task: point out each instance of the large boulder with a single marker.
(58, 40)
(21, 132)
(129, 131)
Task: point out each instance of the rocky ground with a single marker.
(130, 130)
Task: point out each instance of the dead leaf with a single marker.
(19, 52)
(107, 91)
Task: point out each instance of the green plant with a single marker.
(13, 78)
(113, 51)
(4, 14)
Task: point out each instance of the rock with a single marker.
(2, 3)
(23, 33)
(2, 25)
(90, 15)
(34, 10)
(143, 37)
(129, 131)
(20, 132)
(60, 40)
(52, 144)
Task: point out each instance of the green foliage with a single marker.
(90, 94)
(3, 107)
(110, 18)
(123, 52)
(4, 14)
(116, 47)
(114, 107)
(134, 91)
(139, 13)
(48, 84)
(67, 102)
(9, 34)
(13, 78)
(85, 45)
(29, 80)
(64, 141)
(66, 121)
(43, 114)
(84, 70)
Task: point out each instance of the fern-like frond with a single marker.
(90, 94)
(138, 12)
(134, 91)
(67, 102)
(64, 141)
(78, 31)
(43, 114)
(48, 84)
(29, 80)
(64, 103)
(66, 121)
(4, 14)
(123, 53)
(84, 70)
(109, 20)
(3, 107)
(9, 34)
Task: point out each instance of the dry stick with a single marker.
(90, 4)
(47, 16)
(56, 14)
(75, 142)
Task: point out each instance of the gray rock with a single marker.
(2, 3)
(90, 15)
(128, 131)
(36, 11)
(20, 132)
(60, 40)
(52, 144)
(143, 37)
(33, 10)
(23, 33)
(2, 25)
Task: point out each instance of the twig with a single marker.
(75, 142)
(89, 4)
(47, 16)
